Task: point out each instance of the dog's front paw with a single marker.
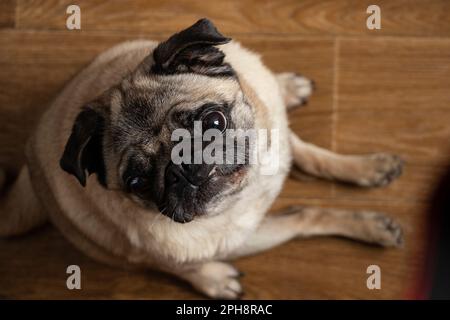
(295, 88)
(217, 280)
(381, 229)
(380, 169)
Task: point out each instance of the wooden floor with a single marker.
(380, 90)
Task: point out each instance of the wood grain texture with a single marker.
(330, 17)
(394, 74)
(420, 137)
(38, 271)
(394, 96)
(7, 13)
(310, 57)
(416, 185)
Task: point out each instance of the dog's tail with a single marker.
(20, 210)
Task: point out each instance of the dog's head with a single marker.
(126, 136)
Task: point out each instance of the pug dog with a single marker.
(100, 163)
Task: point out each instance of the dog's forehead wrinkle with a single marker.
(143, 80)
(140, 111)
(161, 91)
(141, 152)
(193, 84)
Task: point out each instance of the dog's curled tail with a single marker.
(20, 210)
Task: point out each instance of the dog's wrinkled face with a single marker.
(139, 140)
(126, 136)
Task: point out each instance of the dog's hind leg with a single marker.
(373, 170)
(20, 210)
(366, 226)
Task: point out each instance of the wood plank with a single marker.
(420, 137)
(34, 267)
(331, 17)
(393, 96)
(394, 74)
(416, 184)
(7, 13)
(312, 58)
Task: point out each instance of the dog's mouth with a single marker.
(185, 198)
(180, 201)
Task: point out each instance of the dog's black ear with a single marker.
(192, 50)
(83, 150)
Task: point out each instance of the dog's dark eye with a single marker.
(214, 120)
(137, 185)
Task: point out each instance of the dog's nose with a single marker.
(194, 174)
